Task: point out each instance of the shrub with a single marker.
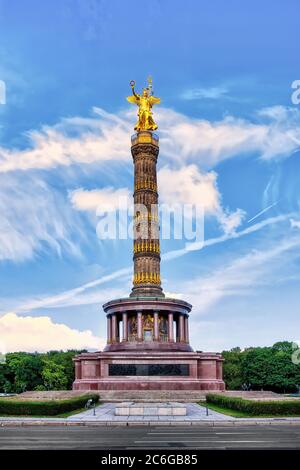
(44, 408)
(252, 407)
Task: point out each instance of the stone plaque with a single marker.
(149, 369)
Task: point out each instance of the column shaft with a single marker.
(181, 328)
(186, 327)
(113, 328)
(156, 327)
(108, 328)
(139, 326)
(125, 326)
(170, 327)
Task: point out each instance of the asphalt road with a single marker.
(151, 437)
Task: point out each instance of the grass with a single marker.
(58, 408)
(61, 415)
(241, 414)
(225, 411)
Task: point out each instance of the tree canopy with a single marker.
(23, 371)
(267, 368)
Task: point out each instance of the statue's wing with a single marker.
(132, 99)
(154, 100)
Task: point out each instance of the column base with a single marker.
(146, 291)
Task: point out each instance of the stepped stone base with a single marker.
(150, 409)
(155, 396)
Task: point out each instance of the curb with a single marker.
(213, 423)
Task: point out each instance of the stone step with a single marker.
(151, 395)
(184, 396)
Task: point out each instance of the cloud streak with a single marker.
(241, 276)
(227, 236)
(70, 297)
(34, 217)
(185, 185)
(263, 211)
(104, 137)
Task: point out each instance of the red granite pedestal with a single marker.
(148, 349)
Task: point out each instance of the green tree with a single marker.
(54, 376)
(271, 368)
(6, 378)
(26, 369)
(65, 359)
(232, 369)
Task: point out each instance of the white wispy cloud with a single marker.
(189, 185)
(195, 246)
(34, 217)
(18, 333)
(295, 223)
(268, 136)
(72, 141)
(105, 137)
(76, 296)
(108, 198)
(243, 275)
(185, 185)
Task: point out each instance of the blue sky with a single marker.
(229, 138)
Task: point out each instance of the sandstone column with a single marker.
(186, 328)
(139, 326)
(181, 328)
(114, 328)
(108, 328)
(156, 327)
(125, 326)
(170, 327)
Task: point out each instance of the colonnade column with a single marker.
(125, 326)
(170, 327)
(139, 326)
(186, 328)
(108, 328)
(113, 328)
(181, 328)
(156, 327)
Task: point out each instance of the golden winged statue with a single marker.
(145, 101)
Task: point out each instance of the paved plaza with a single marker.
(105, 415)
